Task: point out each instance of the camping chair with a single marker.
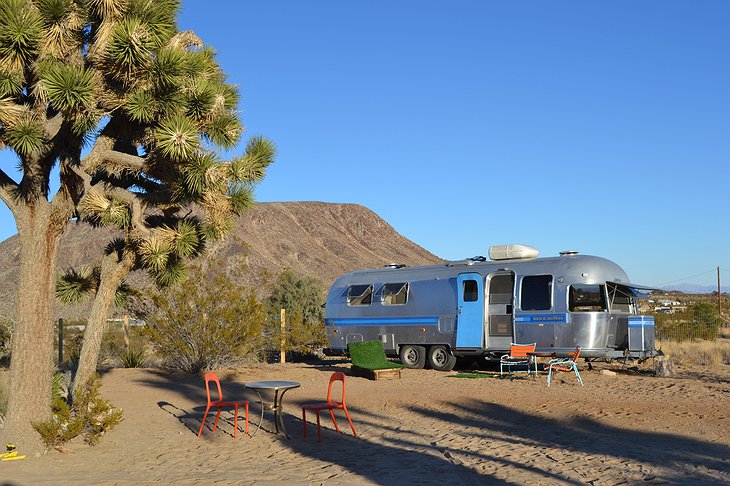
(565, 364)
(518, 357)
(330, 405)
(220, 403)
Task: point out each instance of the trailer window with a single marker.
(360, 295)
(622, 299)
(394, 294)
(537, 292)
(471, 291)
(587, 298)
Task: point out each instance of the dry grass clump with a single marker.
(704, 353)
(724, 332)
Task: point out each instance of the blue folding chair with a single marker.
(565, 364)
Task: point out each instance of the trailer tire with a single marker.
(440, 359)
(413, 356)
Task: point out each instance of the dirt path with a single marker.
(427, 428)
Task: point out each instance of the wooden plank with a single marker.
(387, 374)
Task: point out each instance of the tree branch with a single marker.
(127, 197)
(128, 161)
(53, 126)
(8, 187)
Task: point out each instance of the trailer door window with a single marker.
(360, 295)
(471, 291)
(537, 292)
(587, 298)
(394, 294)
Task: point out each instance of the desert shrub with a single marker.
(3, 396)
(708, 354)
(6, 327)
(207, 322)
(133, 358)
(114, 348)
(302, 297)
(89, 415)
(700, 322)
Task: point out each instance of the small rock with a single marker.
(608, 372)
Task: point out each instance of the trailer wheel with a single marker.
(413, 356)
(440, 359)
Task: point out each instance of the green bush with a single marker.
(207, 322)
(6, 326)
(133, 358)
(302, 297)
(701, 321)
(89, 415)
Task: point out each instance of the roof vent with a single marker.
(568, 252)
(394, 265)
(512, 252)
(478, 258)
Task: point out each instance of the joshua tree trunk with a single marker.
(31, 364)
(113, 271)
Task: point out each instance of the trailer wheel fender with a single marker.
(413, 356)
(440, 358)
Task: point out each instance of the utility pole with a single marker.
(719, 295)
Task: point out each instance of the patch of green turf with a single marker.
(370, 355)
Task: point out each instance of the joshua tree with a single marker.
(131, 111)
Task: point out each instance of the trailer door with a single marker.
(500, 291)
(470, 318)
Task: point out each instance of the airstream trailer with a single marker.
(430, 315)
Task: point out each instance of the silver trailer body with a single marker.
(477, 308)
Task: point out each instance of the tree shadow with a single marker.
(683, 459)
(408, 452)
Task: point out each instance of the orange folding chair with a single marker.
(565, 364)
(220, 403)
(518, 357)
(330, 405)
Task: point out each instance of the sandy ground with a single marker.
(426, 428)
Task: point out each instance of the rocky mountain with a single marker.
(323, 240)
(695, 289)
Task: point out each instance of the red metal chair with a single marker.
(330, 405)
(220, 403)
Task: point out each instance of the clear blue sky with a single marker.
(602, 127)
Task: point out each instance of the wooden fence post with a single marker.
(283, 335)
(126, 331)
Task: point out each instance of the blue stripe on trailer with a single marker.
(643, 321)
(542, 318)
(382, 321)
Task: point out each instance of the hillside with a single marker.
(323, 240)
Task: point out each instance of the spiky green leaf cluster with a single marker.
(74, 286)
(68, 87)
(20, 34)
(26, 136)
(177, 138)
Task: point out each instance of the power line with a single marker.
(687, 278)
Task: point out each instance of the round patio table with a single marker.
(276, 387)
